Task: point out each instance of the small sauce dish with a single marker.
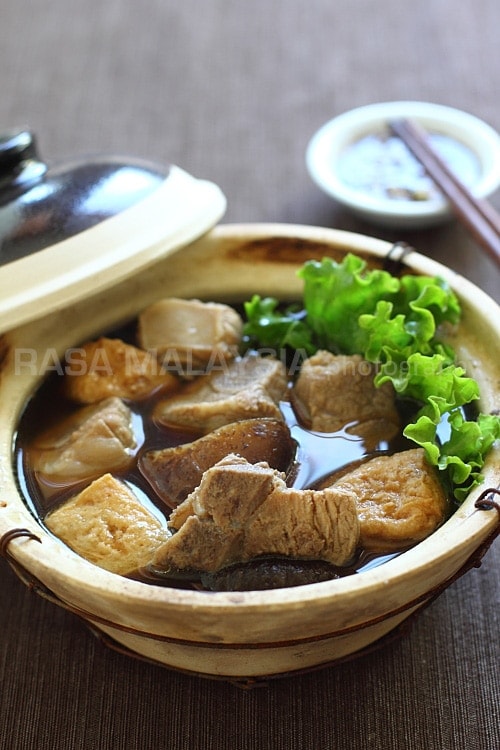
(357, 160)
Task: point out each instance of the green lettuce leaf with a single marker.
(429, 378)
(267, 327)
(462, 455)
(336, 294)
(394, 323)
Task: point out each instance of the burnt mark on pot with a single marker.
(4, 352)
(297, 250)
(289, 250)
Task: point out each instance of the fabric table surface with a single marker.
(232, 92)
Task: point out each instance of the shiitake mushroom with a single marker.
(264, 573)
(174, 472)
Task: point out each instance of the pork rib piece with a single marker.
(245, 388)
(241, 510)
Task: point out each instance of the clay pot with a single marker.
(256, 633)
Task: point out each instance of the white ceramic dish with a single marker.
(331, 140)
(255, 633)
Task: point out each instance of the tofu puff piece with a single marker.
(110, 367)
(332, 391)
(190, 332)
(245, 388)
(96, 438)
(399, 498)
(241, 511)
(107, 525)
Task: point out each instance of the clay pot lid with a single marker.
(78, 228)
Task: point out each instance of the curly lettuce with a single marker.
(394, 323)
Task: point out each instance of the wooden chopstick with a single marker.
(479, 216)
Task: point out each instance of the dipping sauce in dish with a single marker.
(381, 165)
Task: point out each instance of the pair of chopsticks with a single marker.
(476, 214)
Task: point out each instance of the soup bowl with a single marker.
(244, 635)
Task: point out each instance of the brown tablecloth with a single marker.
(233, 91)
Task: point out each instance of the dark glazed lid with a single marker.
(69, 229)
(39, 207)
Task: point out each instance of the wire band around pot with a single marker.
(484, 502)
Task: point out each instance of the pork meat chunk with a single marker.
(110, 367)
(245, 388)
(107, 525)
(96, 438)
(242, 510)
(400, 499)
(333, 391)
(310, 524)
(190, 333)
(175, 472)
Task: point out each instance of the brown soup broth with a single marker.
(318, 456)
